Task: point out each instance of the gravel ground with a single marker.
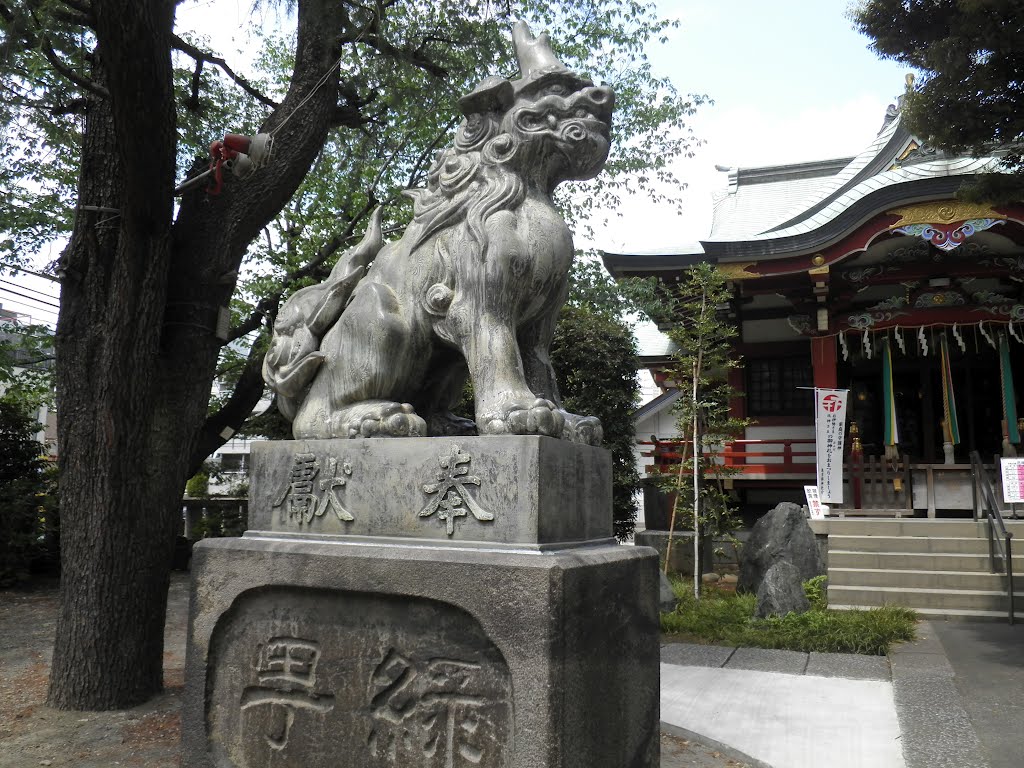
(32, 734)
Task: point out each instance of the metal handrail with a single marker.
(981, 483)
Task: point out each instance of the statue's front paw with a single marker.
(377, 418)
(533, 417)
(582, 429)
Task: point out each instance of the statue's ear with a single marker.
(495, 94)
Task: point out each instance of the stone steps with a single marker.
(967, 545)
(915, 561)
(907, 526)
(909, 579)
(936, 599)
(939, 568)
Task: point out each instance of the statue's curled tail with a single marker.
(294, 355)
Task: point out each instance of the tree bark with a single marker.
(115, 552)
(136, 341)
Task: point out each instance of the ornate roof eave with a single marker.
(619, 264)
(860, 211)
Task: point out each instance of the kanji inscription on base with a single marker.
(300, 676)
(450, 496)
(308, 496)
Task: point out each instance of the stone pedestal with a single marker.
(474, 611)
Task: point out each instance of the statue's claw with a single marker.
(582, 429)
(523, 417)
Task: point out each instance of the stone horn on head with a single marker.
(534, 53)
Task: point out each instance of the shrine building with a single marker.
(865, 273)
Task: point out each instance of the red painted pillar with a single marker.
(823, 361)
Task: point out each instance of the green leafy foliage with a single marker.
(728, 619)
(816, 590)
(968, 97)
(26, 365)
(198, 486)
(22, 492)
(595, 362)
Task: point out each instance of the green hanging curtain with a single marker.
(1006, 379)
(948, 398)
(892, 435)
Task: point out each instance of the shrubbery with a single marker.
(728, 619)
(27, 502)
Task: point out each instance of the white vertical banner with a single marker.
(829, 431)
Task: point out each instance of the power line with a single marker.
(37, 310)
(30, 298)
(30, 290)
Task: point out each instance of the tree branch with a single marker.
(244, 398)
(414, 57)
(69, 73)
(200, 55)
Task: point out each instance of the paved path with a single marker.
(987, 661)
(952, 699)
(784, 709)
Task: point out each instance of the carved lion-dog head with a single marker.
(550, 118)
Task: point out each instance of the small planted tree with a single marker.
(702, 336)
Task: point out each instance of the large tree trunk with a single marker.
(115, 551)
(136, 341)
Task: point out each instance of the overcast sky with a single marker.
(791, 81)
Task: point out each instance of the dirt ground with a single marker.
(32, 734)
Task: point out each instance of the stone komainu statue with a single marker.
(473, 287)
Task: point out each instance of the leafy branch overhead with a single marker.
(967, 98)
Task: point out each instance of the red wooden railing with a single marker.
(748, 456)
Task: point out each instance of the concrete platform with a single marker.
(948, 700)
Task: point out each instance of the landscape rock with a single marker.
(782, 535)
(667, 601)
(781, 592)
(710, 578)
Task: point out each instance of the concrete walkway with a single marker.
(952, 699)
(774, 709)
(987, 662)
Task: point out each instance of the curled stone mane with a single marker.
(472, 288)
(470, 181)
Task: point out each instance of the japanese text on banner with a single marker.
(829, 430)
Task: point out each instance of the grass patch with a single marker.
(728, 619)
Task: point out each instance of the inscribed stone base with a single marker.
(500, 490)
(309, 653)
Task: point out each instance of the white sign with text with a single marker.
(829, 432)
(1012, 472)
